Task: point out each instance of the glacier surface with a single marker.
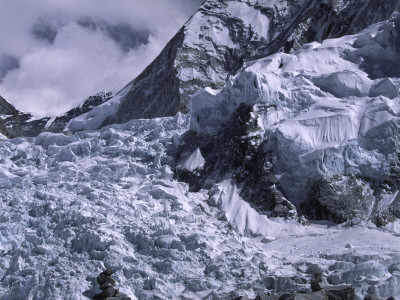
(72, 206)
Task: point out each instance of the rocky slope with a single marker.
(60, 122)
(14, 123)
(219, 38)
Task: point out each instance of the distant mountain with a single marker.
(60, 122)
(14, 123)
(6, 108)
(216, 42)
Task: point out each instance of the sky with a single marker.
(56, 53)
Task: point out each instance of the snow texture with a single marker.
(71, 206)
(218, 40)
(324, 114)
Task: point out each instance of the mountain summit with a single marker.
(216, 42)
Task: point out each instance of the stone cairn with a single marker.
(108, 289)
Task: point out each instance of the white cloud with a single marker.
(58, 71)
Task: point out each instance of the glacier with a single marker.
(75, 205)
(265, 151)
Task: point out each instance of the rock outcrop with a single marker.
(108, 289)
(287, 127)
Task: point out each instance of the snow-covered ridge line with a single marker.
(220, 37)
(318, 127)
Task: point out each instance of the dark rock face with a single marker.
(327, 293)
(340, 293)
(15, 123)
(6, 108)
(316, 282)
(337, 199)
(155, 92)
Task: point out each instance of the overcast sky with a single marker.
(55, 53)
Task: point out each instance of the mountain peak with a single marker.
(215, 43)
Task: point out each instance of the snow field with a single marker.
(74, 205)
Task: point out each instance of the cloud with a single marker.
(7, 63)
(123, 34)
(60, 52)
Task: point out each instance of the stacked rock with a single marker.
(107, 287)
(317, 282)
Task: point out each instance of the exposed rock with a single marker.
(327, 293)
(371, 297)
(14, 123)
(338, 199)
(104, 278)
(60, 122)
(237, 149)
(316, 285)
(107, 287)
(109, 292)
(6, 108)
(340, 293)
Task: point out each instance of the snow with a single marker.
(94, 118)
(322, 107)
(251, 17)
(71, 206)
(246, 219)
(192, 162)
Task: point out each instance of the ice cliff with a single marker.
(324, 118)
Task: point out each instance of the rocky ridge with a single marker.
(14, 123)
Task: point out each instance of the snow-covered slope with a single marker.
(216, 41)
(14, 123)
(312, 131)
(71, 206)
(59, 123)
(326, 112)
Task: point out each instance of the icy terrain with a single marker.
(326, 113)
(74, 205)
(317, 127)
